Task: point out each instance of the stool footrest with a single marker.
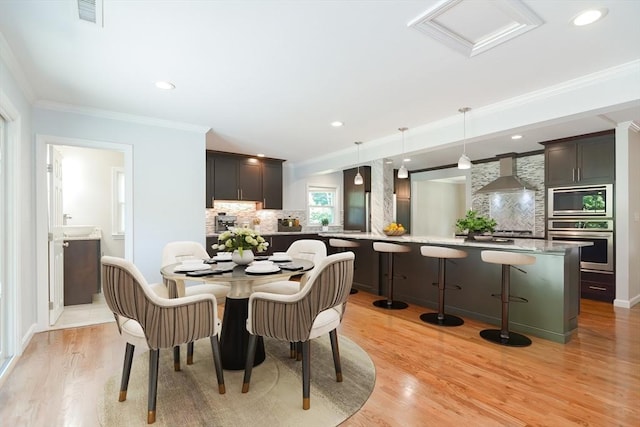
(447, 320)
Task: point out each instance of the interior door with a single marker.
(56, 236)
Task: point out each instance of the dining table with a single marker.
(234, 336)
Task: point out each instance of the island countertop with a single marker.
(514, 244)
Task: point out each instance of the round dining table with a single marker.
(234, 336)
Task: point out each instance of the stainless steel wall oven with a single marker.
(600, 256)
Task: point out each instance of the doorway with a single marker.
(88, 168)
(439, 197)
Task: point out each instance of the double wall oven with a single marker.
(585, 214)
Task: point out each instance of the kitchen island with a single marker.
(551, 286)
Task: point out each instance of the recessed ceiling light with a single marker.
(165, 85)
(337, 124)
(406, 159)
(260, 155)
(516, 137)
(388, 162)
(589, 17)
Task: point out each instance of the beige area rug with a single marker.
(190, 397)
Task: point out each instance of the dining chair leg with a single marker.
(154, 356)
(217, 362)
(306, 375)
(298, 351)
(126, 371)
(333, 335)
(176, 358)
(190, 353)
(293, 354)
(251, 353)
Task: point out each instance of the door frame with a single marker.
(13, 244)
(42, 208)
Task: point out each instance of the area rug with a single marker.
(190, 397)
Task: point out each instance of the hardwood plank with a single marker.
(425, 375)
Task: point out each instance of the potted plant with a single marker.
(474, 224)
(325, 223)
(241, 242)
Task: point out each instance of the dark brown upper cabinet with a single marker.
(582, 160)
(231, 176)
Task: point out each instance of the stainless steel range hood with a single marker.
(508, 181)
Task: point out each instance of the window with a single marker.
(322, 204)
(117, 197)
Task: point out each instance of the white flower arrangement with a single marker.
(240, 239)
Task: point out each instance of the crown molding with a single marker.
(123, 117)
(9, 59)
(634, 126)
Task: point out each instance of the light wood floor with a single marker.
(426, 376)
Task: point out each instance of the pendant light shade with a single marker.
(358, 179)
(403, 173)
(464, 162)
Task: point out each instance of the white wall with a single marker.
(21, 293)
(87, 191)
(437, 204)
(295, 188)
(627, 226)
(168, 178)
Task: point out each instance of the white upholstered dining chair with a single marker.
(313, 311)
(308, 249)
(176, 252)
(150, 321)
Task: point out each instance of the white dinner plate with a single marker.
(262, 269)
(280, 259)
(222, 258)
(190, 266)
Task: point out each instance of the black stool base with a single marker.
(390, 305)
(515, 339)
(353, 291)
(448, 320)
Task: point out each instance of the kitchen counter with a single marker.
(511, 244)
(551, 286)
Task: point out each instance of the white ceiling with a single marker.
(269, 76)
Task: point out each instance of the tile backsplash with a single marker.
(248, 215)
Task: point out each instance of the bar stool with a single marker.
(342, 245)
(503, 336)
(390, 248)
(440, 318)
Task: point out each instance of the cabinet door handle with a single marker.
(578, 174)
(238, 193)
(264, 203)
(573, 174)
(597, 288)
(241, 195)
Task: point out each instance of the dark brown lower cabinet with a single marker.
(598, 286)
(81, 271)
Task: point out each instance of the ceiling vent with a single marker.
(508, 180)
(90, 11)
(475, 26)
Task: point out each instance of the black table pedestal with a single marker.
(234, 336)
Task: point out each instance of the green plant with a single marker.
(475, 223)
(324, 221)
(240, 239)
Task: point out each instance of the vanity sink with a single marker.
(81, 231)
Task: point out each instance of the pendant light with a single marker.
(358, 179)
(464, 162)
(402, 172)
